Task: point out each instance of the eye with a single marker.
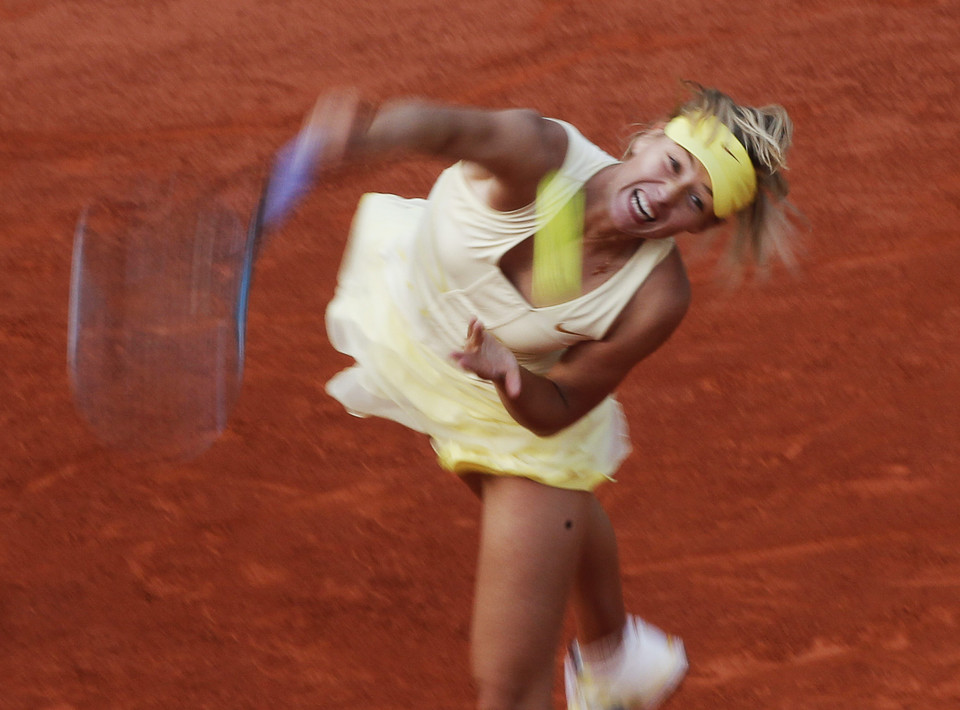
(674, 164)
(697, 202)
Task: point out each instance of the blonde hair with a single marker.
(763, 228)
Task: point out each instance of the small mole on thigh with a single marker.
(568, 524)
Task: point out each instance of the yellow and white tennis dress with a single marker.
(415, 272)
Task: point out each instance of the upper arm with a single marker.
(590, 371)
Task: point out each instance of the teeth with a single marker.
(643, 206)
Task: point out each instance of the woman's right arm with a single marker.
(515, 147)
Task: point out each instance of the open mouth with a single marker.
(641, 207)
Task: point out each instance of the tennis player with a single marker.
(435, 303)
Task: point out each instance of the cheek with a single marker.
(687, 219)
(702, 223)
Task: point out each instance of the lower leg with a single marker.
(597, 593)
(627, 662)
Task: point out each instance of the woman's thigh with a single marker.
(531, 537)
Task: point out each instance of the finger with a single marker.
(475, 333)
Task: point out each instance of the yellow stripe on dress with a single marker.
(558, 243)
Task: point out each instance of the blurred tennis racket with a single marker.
(152, 350)
(159, 295)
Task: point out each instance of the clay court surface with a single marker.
(791, 508)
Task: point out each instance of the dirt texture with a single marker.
(791, 509)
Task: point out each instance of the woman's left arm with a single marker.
(588, 371)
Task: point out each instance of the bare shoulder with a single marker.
(657, 308)
(669, 287)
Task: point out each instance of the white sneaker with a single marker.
(647, 669)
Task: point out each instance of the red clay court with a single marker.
(791, 509)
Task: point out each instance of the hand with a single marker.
(321, 144)
(488, 358)
(334, 122)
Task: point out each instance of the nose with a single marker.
(671, 191)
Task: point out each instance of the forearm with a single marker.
(513, 144)
(417, 126)
(541, 405)
(544, 404)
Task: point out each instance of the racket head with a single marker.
(155, 338)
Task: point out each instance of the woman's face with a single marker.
(660, 189)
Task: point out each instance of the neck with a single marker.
(598, 229)
(596, 223)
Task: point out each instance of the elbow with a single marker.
(560, 416)
(543, 427)
(551, 426)
(545, 432)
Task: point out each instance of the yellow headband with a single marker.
(724, 157)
